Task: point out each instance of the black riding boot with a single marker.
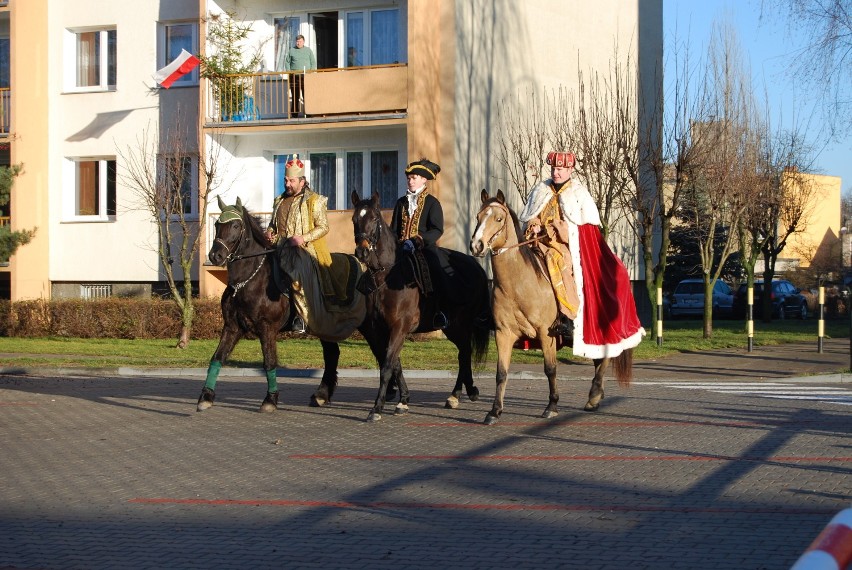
(564, 327)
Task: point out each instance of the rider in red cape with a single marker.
(606, 323)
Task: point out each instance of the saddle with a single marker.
(421, 275)
(345, 272)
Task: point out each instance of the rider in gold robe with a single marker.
(299, 219)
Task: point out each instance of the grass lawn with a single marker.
(678, 336)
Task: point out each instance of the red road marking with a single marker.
(371, 457)
(683, 423)
(466, 506)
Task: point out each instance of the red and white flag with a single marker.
(183, 64)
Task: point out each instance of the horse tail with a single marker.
(479, 340)
(622, 367)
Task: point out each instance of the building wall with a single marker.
(54, 124)
(507, 49)
(29, 268)
(819, 242)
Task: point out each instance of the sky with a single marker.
(767, 45)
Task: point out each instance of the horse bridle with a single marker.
(233, 256)
(503, 229)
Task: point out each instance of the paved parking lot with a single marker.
(121, 472)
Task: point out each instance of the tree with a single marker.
(10, 240)
(160, 172)
(784, 200)
(226, 66)
(725, 134)
(825, 59)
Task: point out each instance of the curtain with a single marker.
(354, 175)
(384, 37)
(88, 60)
(286, 30)
(87, 188)
(355, 39)
(323, 177)
(179, 37)
(384, 176)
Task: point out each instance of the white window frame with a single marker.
(342, 196)
(191, 78)
(368, 36)
(72, 193)
(70, 60)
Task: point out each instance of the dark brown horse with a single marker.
(254, 303)
(524, 305)
(396, 307)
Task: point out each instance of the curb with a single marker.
(368, 373)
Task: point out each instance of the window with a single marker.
(4, 63)
(178, 179)
(94, 189)
(337, 174)
(175, 37)
(286, 30)
(94, 65)
(372, 38)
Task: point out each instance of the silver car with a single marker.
(688, 298)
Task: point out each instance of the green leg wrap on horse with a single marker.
(272, 380)
(212, 374)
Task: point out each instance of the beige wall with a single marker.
(30, 115)
(819, 242)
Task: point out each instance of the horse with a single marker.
(396, 307)
(524, 305)
(254, 303)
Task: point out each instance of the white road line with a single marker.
(774, 390)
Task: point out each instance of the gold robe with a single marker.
(305, 215)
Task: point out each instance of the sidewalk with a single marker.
(799, 361)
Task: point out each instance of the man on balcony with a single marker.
(299, 60)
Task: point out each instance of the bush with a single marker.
(107, 318)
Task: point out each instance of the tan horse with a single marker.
(524, 305)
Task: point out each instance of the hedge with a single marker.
(107, 318)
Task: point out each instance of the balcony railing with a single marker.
(5, 221)
(267, 96)
(5, 110)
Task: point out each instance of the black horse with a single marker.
(254, 303)
(396, 307)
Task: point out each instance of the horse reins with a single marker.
(232, 256)
(505, 230)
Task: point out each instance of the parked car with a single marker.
(787, 300)
(688, 298)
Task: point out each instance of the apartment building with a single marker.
(395, 81)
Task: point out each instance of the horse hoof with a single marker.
(590, 407)
(473, 394)
(548, 414)
(400, 409)
(205, 401)
(270, 403)
(490, 420)
(374, 417)
(318, 402)
(452, 403)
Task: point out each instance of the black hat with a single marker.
(424, 167)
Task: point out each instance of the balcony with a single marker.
(5, 111)
(264, 98)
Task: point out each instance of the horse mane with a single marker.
(253, 224)
(527, 253)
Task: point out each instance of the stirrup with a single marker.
(439, 321)
(562, 326)
(299, 325)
